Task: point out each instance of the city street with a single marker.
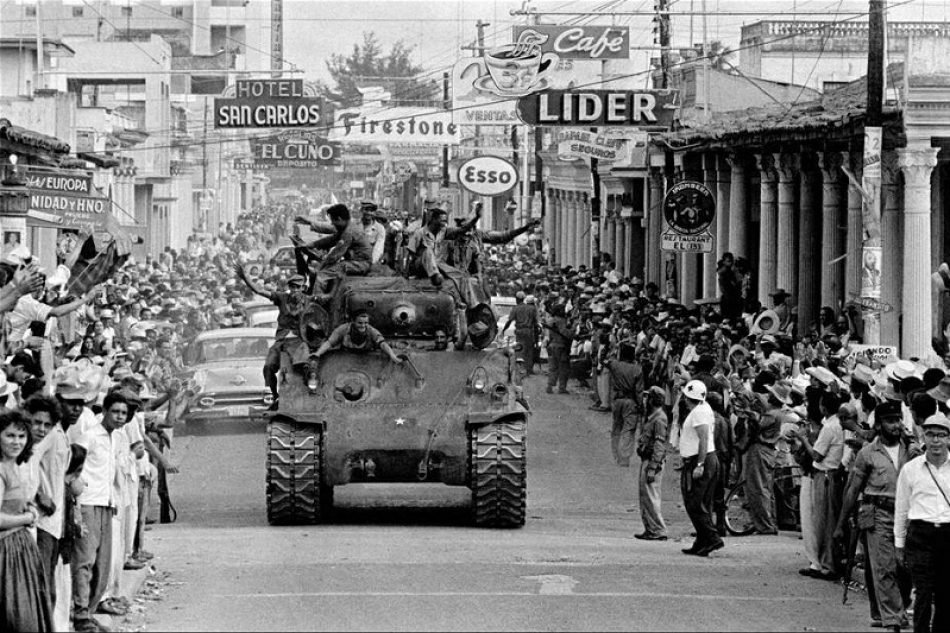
(404, 558)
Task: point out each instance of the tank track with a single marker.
(294, 466)
(498, 474)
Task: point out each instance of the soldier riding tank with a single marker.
(455, 416)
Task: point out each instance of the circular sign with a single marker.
(689, 207)
(487, 175)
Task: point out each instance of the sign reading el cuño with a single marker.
(581, 42)
(278, 152)
(588, 108)
(262, 103)
(688, 209)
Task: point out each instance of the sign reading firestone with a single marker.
(581, 42)
(587, 108)
(269, 103)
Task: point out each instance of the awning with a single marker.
(23, 136)
(99, 160)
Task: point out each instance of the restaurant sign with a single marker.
(580, 42)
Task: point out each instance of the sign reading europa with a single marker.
(587, 108)
(581, 42)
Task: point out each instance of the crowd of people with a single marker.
(726, 391)
(732, 391)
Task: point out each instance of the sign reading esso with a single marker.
(487, 175)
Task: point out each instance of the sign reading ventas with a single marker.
(581, 42)
(586, 108)
(260, 103)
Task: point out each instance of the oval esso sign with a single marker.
(487, 175)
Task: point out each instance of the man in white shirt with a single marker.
(826, 488)
(375, 232)
(922, 526)
(92, 551)
(699, 468)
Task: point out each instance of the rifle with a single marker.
(853, 535)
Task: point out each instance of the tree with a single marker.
(367, 66)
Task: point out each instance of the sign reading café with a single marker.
(580, 42)
(587, 108)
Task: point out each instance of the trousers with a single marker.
(559, 366)
(698, 498)
(650, 513)
(49, 555)
(826, 506)
(624, 428)
(525, 338)
(759, 477)
(91, 560)
(890, 582)
(808, 523)
(927, 552)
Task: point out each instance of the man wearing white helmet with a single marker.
(700, 467)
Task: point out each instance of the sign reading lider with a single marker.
(581, 42)
(269, 103)
(487, 175)
(688, 208)
(587, 108)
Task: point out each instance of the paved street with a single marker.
(404, 557)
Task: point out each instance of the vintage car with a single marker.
(228, 370)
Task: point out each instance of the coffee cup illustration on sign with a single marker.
(517, 69)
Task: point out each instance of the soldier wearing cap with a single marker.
(291, 306)
(760, 457)
(922, 525)
(525, 318)
(651, 449)
(871, 488)
(374, 231)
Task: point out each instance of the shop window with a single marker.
(178, 12)
(30, 11)
(77, 12)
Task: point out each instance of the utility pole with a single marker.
(479, 51)
(871, 255)
(276, 37)
(447, 104)
(40, 70)
(204, 169)
(662, 38)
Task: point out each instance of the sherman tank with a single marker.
(455, 416)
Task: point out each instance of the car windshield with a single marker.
(502, 309)
(230, 348)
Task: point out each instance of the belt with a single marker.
(927, 524)
(879, 501)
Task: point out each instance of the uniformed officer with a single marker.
(626, 380)
(874, 478)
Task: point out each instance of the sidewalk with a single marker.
(130, 583)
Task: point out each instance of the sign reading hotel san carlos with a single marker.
(588, 108)
(487, 175)
(580, 42)
(688, 209)
(262, 103)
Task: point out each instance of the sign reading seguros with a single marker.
(487, 175)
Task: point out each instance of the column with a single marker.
(891, 239)
(832, 237)
(809, 241)
(564, 227)
(855, 235)
(723, 182)
(570, 239)
(710, 179)
(655, 228)
(628, 245)
(786, 261)
(621, 247)
(550, 223)
(587, 231)
(917, 164)
(612, 235)
(738, 213)
(555, 211)
(768, 225)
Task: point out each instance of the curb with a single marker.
(130, 582)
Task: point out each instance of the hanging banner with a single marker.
(410, 126)
(688, 209)
(574, 144)
(580, 42)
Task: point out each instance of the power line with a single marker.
(133, 42)
(799, 33)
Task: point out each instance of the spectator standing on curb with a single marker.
(922, 526)
(651, 448)
(699, 468)
(559, 349)
(92, 550)
(626, 378)
(24, 599)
